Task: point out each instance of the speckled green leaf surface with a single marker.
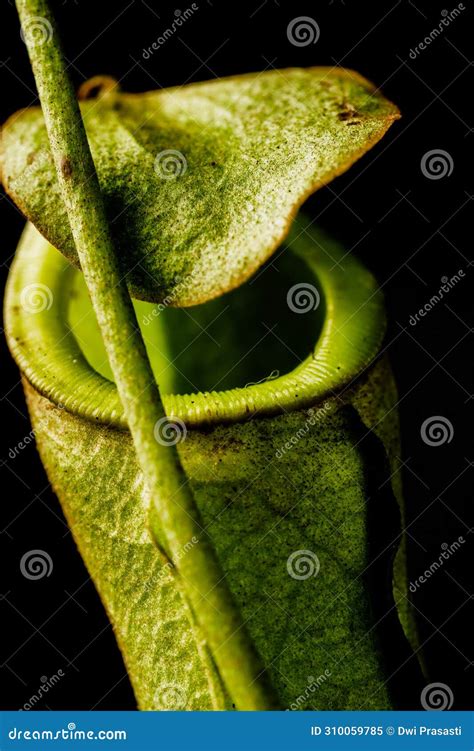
(260, 509)
(201, 182)
(287, 497)
(94, 472)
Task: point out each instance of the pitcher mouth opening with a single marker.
(285, 340)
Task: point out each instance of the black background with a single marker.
(410, 230)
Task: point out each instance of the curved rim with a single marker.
(48, 354)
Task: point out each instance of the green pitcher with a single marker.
(278, 395)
